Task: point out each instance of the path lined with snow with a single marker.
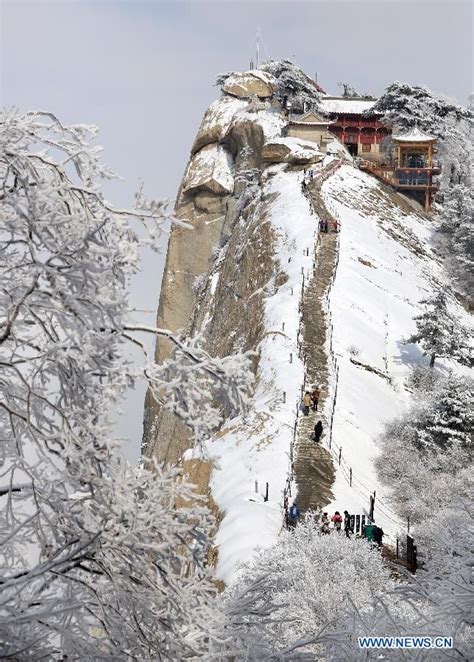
(314, 467)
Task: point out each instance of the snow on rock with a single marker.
(250, 83)
(385, 268)
(217, 120)
(210, 169)
(339, 149)
(271, 121)
(224, 113)
(291, 150)
(257, 449)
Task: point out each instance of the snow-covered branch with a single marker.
(97, 559)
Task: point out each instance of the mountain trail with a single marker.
(313, 466)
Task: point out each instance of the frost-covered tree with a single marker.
(436, 602)
(349, 91)
(446, 585)
(430, 604)
(456, 228)
(406, 106)
(293, 84)
(426, 453)
(97, 559)
(310, 578)
(439, 331)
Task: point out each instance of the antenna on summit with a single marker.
(257, 49)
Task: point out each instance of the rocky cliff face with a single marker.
(221, 197)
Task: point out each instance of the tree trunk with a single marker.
(433, 356)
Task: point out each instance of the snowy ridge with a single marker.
(378, 284)
(385, 267)
(257, 449)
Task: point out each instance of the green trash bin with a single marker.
(369, 531)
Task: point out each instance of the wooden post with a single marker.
(283, 326)
(291, 357)
(265, 498)
(291, 291)
(357, 526)
(284, 396)
(408, 524)
(350, 477)
(411, 555)
(256, 487)
(340, 455)
(371, 509)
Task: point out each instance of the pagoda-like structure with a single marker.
(413, 169)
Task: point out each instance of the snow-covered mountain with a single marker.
(255, 272)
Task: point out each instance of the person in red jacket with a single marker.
(336, 519)
(315, 395)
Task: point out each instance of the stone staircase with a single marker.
(313, 466)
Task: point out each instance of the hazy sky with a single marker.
(144, 71)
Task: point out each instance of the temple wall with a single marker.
(314, 134)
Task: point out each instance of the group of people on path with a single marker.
(311, 401)
(325, 224)
(338, 523)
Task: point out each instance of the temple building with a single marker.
(410, 168)
(310, 126)
(355, 126)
